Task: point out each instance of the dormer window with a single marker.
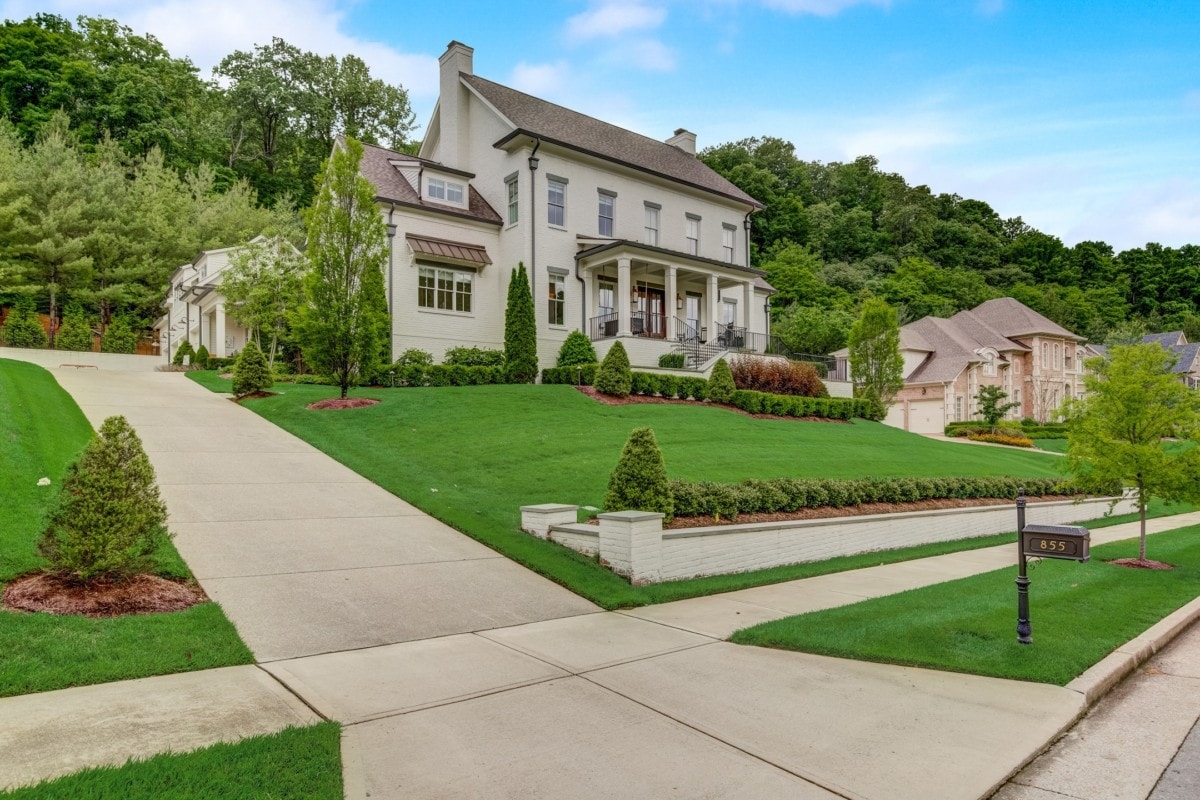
(444, 191)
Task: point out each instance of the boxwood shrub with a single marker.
(783, 405)
(577, 375)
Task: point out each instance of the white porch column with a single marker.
(624, 287)
(218, 350)
(671, 310)
(748, 314)
(714, 306)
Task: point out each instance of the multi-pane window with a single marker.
(608, 294)
(989, 365)
(693, 235)
(1057, 356)
(438, 189)
(444, 289)
(727, 233)
(511, 190)
(652, 225)
(558, 296)
(556, 202)
(728, 312)
(607, 204)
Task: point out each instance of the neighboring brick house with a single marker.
(1001, 342)
(1187, 354)
(624, 237)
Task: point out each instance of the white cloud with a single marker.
(1167, 212)
(648, 54)
(822, 8)
(614, 18)
(989, 7)
(541, 80)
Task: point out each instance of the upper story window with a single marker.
(1057, 356)
(556, 201)
(608, 202)
(727, 234)
(444, 289)
(652, 213)
(989, 365)
(510, 190)
(446, 191)
(693, 234)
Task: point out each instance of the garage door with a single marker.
(926, 416)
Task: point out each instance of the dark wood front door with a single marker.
(651, 313)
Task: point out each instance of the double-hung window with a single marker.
(556, 201)
(727, 234)
(510, 189)
(693, 235)
(449, 191)
(608, 202)
(444, 289)
(652, 213)
(557, 298)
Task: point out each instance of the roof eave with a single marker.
(616, 243)
(437, 210)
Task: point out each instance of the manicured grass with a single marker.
(295, 764)
(471, 456)
(1079, 612)
(41, 432)
(1051, 445)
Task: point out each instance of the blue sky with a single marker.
(1081, 117)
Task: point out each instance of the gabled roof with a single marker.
(390, 186)
(1187, 357)
(985, 335)
(1010, 318)
(1167, 340)
(533, 116)
(950, 351)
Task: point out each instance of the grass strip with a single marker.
(1080, 613)
(471, 456)
(41, 432)
(294, 764)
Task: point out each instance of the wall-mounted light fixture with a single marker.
(678, 301)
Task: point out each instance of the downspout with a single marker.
(391, 228)
(533, 165)
(767, 310)
(583, 307)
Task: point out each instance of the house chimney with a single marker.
(452, 103)
(685, 140)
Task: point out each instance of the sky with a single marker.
(1080, 116)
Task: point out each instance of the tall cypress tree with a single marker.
(520, 330)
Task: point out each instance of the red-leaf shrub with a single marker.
(777, 376)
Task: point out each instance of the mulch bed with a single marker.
(1140, 563)
(609, 400)
(63, 595)
(339, 403)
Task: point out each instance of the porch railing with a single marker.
(641, 323)
(603, 326)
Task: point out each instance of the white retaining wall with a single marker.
(53, 359)
(641, 550)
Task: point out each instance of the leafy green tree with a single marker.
(1133, 404)
(185, 350)
(576, 349)
(23, 328)
(76, 331)
(263, 287)
(251, 374)
(812, 329)
(720, 382)
(110, 521)
(992, 406)
(614, 376)
(120, 336)
(520, 330)
(340, 324)
(876, 367)
(639, 481)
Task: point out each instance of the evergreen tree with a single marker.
(520, 330)
(251, 374)
(614, 376)
(876, 366)
(76, 330)
(341, 325)
(120, 337)
(184, 349)
(639, 481)
(577, 349)
(23, 328)
(201, 359)
(110, 520)
(720, 382)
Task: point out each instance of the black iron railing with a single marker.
(689, 330)
(603, 326)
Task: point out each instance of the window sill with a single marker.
(512, 225)
(556, 227)
(554, 327)
(445, 312)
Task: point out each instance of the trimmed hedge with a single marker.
(1025, 428)
(578, 375)
(448, 375)
(473, 357)
(1001, 438)
(727, 500)
(672, 361)
(785, 405)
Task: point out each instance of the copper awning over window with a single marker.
(472, 255)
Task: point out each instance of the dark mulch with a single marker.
(339, 403)
(1141, 563)
(609, 400)
(253, 396)
(63, 595)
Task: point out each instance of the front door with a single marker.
(650, 306)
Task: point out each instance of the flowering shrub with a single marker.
(777, 376)
(1000, 438)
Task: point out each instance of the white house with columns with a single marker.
(624, 237)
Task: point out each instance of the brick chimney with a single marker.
(453, 104)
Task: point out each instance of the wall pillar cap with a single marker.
(550, 507)
(631, 516)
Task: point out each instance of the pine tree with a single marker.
(639, 481)
(110, 520)
(614, 376)
(251, 374)
(720, 382)
(76, 331)
(520, 330)
(23, 328)
(577, 349)
(201, 359)
(120, 337)
(185, 349)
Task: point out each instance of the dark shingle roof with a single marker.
(553, 123)
(1167, 340)
(1187, 357)
(391, 186)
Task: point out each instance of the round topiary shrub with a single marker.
(577, 349)
(201, 359)
(639, 481)
(614, 377)
(720, 383)
(110, 520)
(185, 349)
(251, 374)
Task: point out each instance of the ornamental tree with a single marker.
(875, 363)
(639, 481)
(1120, 428)
(520, 330)
(992, 406)
(263, 285)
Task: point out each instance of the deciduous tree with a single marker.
(875, 363)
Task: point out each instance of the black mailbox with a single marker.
(1056, 541)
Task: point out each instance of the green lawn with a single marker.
(1080, 613)
(471, 456)
(295, 764)
(1051, 445)
(41, 433)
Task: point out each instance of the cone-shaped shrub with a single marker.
(250, 372)
(120, 337)
(23, 328)
(639, 481)
(720, 383)
(614, 377)
(520, 330)
(201, 359)
(76, 331)
(577, 349)
(185, 349)
(110, 520)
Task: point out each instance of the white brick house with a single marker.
(195, 308)
(624, 237)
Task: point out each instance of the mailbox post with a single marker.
(1071, 542)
